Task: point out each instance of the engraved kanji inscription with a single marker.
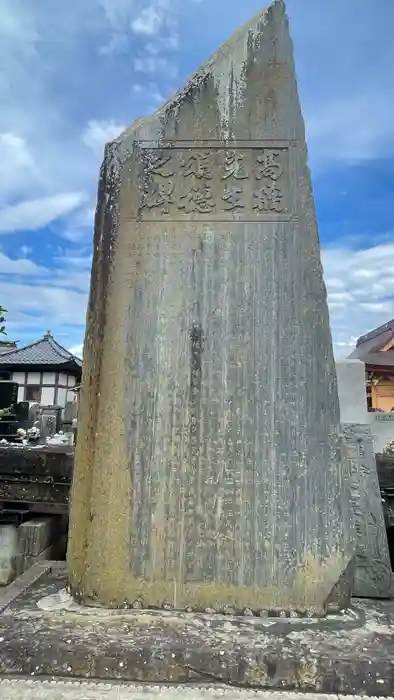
(243, 183)
(373, 575)
(234, 166)
(268, 165)
(269, 198)
(161, 196)
(198, 199)
(161, 165)
(232, 198)
(197, 164)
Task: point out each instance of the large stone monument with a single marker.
(208, 466)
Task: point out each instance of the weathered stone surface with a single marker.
(25, 561)
(9, 551)
(373, 576)
(36, 475)
(385, 469)
(35, 535)
(208, 468)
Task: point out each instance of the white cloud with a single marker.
(43, 305)
(360, 286)
(61, 64)
(80, 225)
(25, 250)
(76, 262)
(77, 350)
(15, 148)
(348, 130)
(17, 167)
(19, 266)
(98, 133)
(149, 21)
(150, 91)
(117, 11)
(154, 65)
(37, 213)
(147, 18)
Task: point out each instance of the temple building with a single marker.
(45, 371)
(376, 350)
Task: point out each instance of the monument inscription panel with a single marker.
(373, 575)
(215, 181)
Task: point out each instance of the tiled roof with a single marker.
(377, 333)
(368, 348)
(45, 351)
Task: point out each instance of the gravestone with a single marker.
(208, 466)
(373, 576)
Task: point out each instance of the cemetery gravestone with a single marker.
(208, 466)
(373, 576)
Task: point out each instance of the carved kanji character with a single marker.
(269, 198)
(198, 199)
(234, 166)
(158, 165)
(231, 197)
(161, 196)
(268, 166)
(196, 165)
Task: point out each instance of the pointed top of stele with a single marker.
(245, 90)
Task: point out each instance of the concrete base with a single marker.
(44, 633)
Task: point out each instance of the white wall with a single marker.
(62, 379)
(47, 395)
(353, 403)
(352, 391)
(48, 382)
(61, 397)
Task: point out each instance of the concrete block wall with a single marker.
(35, 535)
(21, 547)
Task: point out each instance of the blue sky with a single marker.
(73, 75)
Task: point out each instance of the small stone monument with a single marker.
(208, 464)
(373, 577)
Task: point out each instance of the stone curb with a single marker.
(30, 689)
(21, 584)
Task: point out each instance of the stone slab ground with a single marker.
(73, 690)
(44, 633)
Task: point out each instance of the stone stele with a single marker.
(208, 466)
(373, 577)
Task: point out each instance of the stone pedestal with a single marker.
(44, 630)
(208, 466)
